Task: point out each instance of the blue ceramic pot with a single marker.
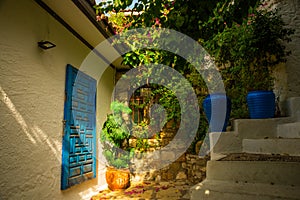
(217, 108)
(261, 104)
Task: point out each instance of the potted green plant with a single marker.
(114, 137)
(247, 52)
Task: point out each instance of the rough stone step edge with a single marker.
(288, 130)
(216, 190)
(268, 172)
(272, 146)
(293, 113)
(222, 143)
(293, 107)
(259, 128)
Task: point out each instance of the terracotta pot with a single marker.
(117, 179)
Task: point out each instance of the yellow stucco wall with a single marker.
(32, 83)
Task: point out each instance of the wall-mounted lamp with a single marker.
(46, 45)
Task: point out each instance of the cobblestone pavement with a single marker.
(170, 190)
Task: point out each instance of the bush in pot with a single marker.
(114, 137)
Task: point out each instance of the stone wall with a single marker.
(288, 82)
(187, 167)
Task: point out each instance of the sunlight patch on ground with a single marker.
(92, 191)
(175, 190)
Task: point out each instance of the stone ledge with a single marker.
(272, 146)
(269, 172)
(216, 190)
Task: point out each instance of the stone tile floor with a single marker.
(171, 190)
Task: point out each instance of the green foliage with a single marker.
(114, 137)
(247, 50)
(142, 144)
(245, 38)
(251, 48)
(119, 108)
(118, 159)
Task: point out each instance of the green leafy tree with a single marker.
(244, 37)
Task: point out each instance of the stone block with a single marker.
(182, 158)
(263, 127)
(293, 107)
(132, 143)
(181, 176)
(153, 142)
(175, 167)
(288, 130)
(167, 134)
(167, 155)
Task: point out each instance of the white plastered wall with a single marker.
(32, 83)
(287, 74)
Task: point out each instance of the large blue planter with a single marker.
(217, 108)
(261, 104)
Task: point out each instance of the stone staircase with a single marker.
(247, 178)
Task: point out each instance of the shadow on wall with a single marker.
(31, 159)
(35, 134)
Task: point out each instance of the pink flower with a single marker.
(165, 187)
(98, 18)
(150, 37)
(157, 21)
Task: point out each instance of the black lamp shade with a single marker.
(46, 45)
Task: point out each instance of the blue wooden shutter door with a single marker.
(79, 139)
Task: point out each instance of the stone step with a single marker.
(225, 190)
(259, 128)
(272, 146)
(293, 107)
(223, 143)
(288, 130)
(267, 172)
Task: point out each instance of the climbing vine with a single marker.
(244, 37)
